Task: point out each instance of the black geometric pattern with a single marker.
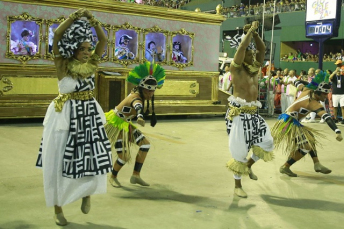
(138, 136)
(39, 158)
(126, 109)
(77, 33)
(254, 128)
(88, 150)
(294, 114)
(303, 111)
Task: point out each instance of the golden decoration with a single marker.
(77, 69)
(190, 60)
(126, 62)
(156, 29)
(111, 6)
(235, 111)
(23, 17)
(60, 100)
(219, 9)
(5, 88)
(179, 88)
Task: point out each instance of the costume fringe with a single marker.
(237, 167)
(115, 128)
(262, 154)
(287, 129)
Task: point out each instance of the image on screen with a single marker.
(181, 49)
(24, 38)
(155, 47)
(126, 44)
(321, 10)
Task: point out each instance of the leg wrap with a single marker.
(138, 136)
(114, 172)
(237, 177)
(138, 167)
(303, 151)
(255, 157)
(144, 148)
(119, 146)
(313, 153)
(120, 162)
(291, 161)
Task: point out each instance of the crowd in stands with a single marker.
(176, 4)
(258, 9)
(277, 91)
(308, 56)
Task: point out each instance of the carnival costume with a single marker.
(292, 137)
(246, 130)
(119, 127)
(75, 153)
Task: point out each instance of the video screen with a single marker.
(126, 44)
(24, 38)
(321, 10)
(155, 47)
(181, 49)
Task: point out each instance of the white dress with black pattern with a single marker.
(75, 153)
(247, 130)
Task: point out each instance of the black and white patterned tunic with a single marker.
(87, 151)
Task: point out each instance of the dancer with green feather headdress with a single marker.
(121, 131)
(298, 140)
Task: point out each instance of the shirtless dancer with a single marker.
(247, 129)
(296, 139)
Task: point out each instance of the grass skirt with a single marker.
(116, 128)
(290, 135)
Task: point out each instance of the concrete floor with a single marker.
(190, 186)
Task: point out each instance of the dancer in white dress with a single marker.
(75, 153)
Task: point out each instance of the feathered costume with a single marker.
(288, 133)
(119, 127)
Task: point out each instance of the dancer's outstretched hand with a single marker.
(339, 137)
(141, 122)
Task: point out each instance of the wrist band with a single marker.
(74, 16)
(337, 131)
(93, 21)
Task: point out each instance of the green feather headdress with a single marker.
(319, 81)
(146, 71)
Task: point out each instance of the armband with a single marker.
(139, 110)
(235, 64)
(297, 83)
(330, 123)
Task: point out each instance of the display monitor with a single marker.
(319, 10)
